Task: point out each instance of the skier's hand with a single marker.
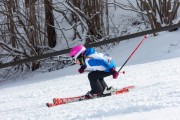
(115, 74)
(81, 69)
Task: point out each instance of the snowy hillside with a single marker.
(154, 70)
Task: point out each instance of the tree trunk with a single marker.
(11, 23)
(51, 33)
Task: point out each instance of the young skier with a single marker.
(101, 66)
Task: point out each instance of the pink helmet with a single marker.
(76, 51)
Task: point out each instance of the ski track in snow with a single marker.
(155, 72)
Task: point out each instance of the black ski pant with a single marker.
(97, 83)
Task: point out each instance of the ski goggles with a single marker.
(74, 60)
(78, 60)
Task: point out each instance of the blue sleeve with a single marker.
(99, 62)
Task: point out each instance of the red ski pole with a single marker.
(132, 54)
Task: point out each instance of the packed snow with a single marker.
(154, 70)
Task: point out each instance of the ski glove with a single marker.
(82, 68)
(115, 74)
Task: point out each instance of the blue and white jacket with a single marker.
(98, 61)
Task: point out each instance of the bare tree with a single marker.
(11, 9)
(93, 13)
(51, 33)
(158, 11)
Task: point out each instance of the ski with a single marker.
(61, 101)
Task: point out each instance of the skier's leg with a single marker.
(103, 83)
(97, 82)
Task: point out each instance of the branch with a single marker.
(13, 51)
(126, 7)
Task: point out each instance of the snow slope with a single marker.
(154, 69)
